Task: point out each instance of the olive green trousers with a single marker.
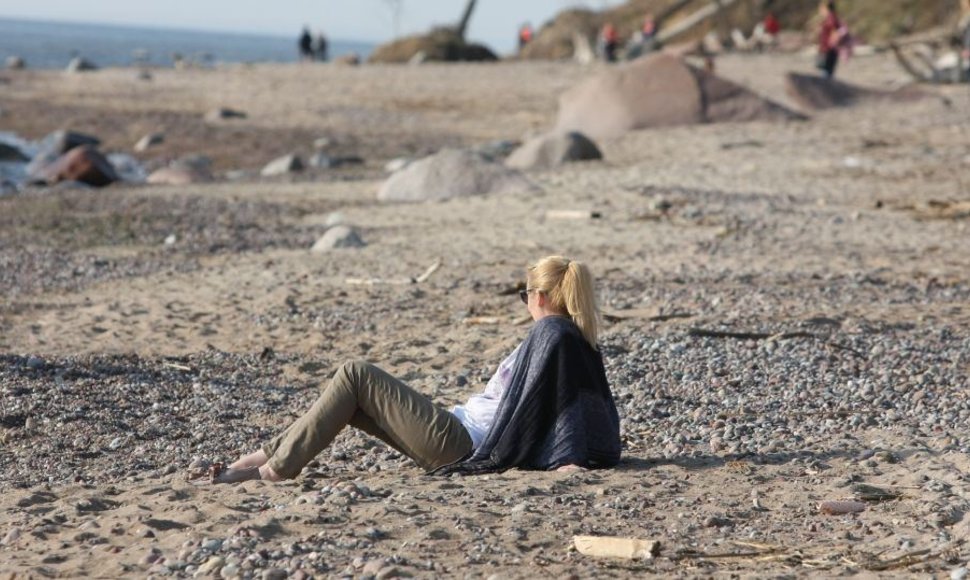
(368, 398)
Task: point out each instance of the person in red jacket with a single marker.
(772, 26)
(829, 38)
(525, 35)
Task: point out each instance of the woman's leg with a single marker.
(365, 396)
(257, 458)
(831, 61)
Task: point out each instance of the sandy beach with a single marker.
(143, 328)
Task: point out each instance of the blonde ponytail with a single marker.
(577, 290)
(569, 287)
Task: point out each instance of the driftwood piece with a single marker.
(709, 333)
(572, 214)
(841, 507)
(688, 24)
(650, 314)
(871, 493)
(178, 367)
(397, 281)
(937, 35)
(935, 209)
(615, 547)
(427, 273)
(874, 563)
(910, 68)
(756, 551)
(377, 281)
(482, 320)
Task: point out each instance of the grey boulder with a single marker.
(178, 175)
(79, 64)
(339, 236)
(452, 173)
(282, 166)
(223, 113)
(321, 160)
(11, 153)
(659, 90)
(552, 150)
(149, 141)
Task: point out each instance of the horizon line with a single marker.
(168, 28)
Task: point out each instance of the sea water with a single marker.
(54, 44)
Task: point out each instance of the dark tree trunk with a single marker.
(463, 24)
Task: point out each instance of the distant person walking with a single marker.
(964, 34)
(649, 28)
(830, 38)
(321, 48)
(525, 35)
(771, 28)
(765, 34)
(306, 45)
(609, 41)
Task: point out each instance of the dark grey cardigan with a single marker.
(557, 410)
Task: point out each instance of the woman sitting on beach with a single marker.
(547, 407)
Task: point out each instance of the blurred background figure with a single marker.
(643, 41)
(321, 48)
(306, 44)
(525, 35)
(829, 38)
(608, 42)
(964, 39)
(766, 33)
(648, 30)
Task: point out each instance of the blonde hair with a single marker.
(569, 287)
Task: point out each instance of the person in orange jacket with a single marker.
(609, 41)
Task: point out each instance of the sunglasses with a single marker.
(524, 295)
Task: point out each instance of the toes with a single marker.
(215, 471)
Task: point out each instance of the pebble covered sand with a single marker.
(787, 323)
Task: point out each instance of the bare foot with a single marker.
(219, 473)
(266, 472)
(570, 468)
(255, 459)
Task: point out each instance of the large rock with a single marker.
(659, 90)
(176, 175)
(83, 164)
(60, 142)
(183, 171)
(819, 93)
(127, 168)
(11, 153)
(442, 44)
(194, 162)
(452, 173)
(149, 141)
(79, 64)
(553, 150)
(338, 236)
(15, 63)
(321, 160)
(53, 146)
(282, 166)
(222, 114)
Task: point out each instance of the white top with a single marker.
(478, 414)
